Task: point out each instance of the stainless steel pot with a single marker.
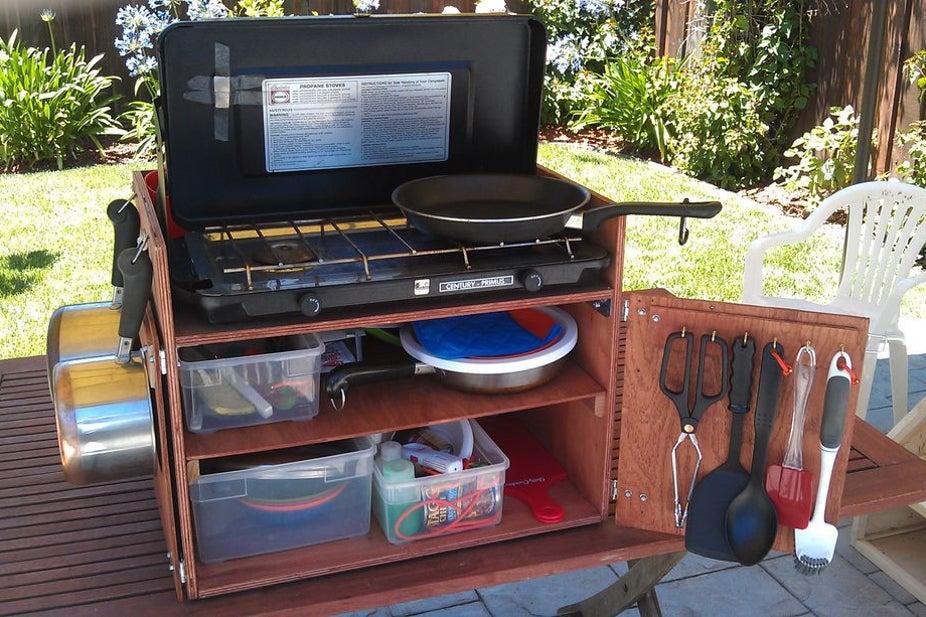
(80, 331)
(103, 404)
(104, 418)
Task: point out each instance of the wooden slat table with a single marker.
(99, 550)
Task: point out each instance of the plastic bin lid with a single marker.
(276, 119)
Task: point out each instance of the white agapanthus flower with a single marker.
(206, 9)
(491, 6)
(366, 6)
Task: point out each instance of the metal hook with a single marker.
(745, 338)
(342, 404)
(683, 231)
(714, 336)
(684, 329)
(141, 245)
(125, 205)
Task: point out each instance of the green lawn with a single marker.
(55, 248)
(55, 243)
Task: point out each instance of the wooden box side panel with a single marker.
(163, 309)
(163, 484)
(650, 423)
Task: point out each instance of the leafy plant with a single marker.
(765, 44)
(718, 130)
(584, 35)
(630, 99)
(52, 105)
(914, 69)
(825, 157)
(260, 8)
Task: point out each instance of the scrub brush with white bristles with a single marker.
(814, 545)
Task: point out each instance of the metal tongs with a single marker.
(689, 416)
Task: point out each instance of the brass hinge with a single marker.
(163, 357)
(613, 491)
(182, 572)
(625, 311)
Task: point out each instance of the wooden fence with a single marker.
(840, 35)
(92, 22)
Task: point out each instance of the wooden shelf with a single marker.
(373, 549)
(396, 405)
(191, 329)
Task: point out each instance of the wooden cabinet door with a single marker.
(648, 420)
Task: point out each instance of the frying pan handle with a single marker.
(594, 217)
(358, 373)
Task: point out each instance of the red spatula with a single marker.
(533, 470)
(789, 485)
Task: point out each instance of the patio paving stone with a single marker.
(473, 609)
(696, 565)
(845, 550)
(542, 597)
(735, 592)
(840, 591)
(432, 604)
(888, 584)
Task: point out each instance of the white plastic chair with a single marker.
(885, 233)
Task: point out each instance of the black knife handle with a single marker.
(124, 217)
(741, 382)
(766, 407)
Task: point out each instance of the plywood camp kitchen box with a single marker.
(602, 417)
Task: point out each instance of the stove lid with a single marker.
(268, 119)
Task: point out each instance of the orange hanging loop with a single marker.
(843, 366)
(784, 366)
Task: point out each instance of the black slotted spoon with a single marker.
(705, 533)
(752, 523)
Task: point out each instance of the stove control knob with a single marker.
(310, 305)
(531, 280)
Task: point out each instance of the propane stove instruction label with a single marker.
(356, 121)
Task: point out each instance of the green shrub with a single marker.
(766, 45)
(718, 131)
(52, 105)
(825, 157)
(584, 35)
(630, 99)
(141, 131)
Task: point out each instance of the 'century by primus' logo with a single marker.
(471, 284)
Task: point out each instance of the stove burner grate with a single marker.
(366, 239)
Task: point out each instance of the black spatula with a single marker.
(705, 533)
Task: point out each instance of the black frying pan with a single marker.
(494, 208)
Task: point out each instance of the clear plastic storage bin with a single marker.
(446, 503)
(278, 507)
(244, 384)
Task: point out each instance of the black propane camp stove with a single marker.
(315, 265)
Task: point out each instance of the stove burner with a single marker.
(283, 253)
